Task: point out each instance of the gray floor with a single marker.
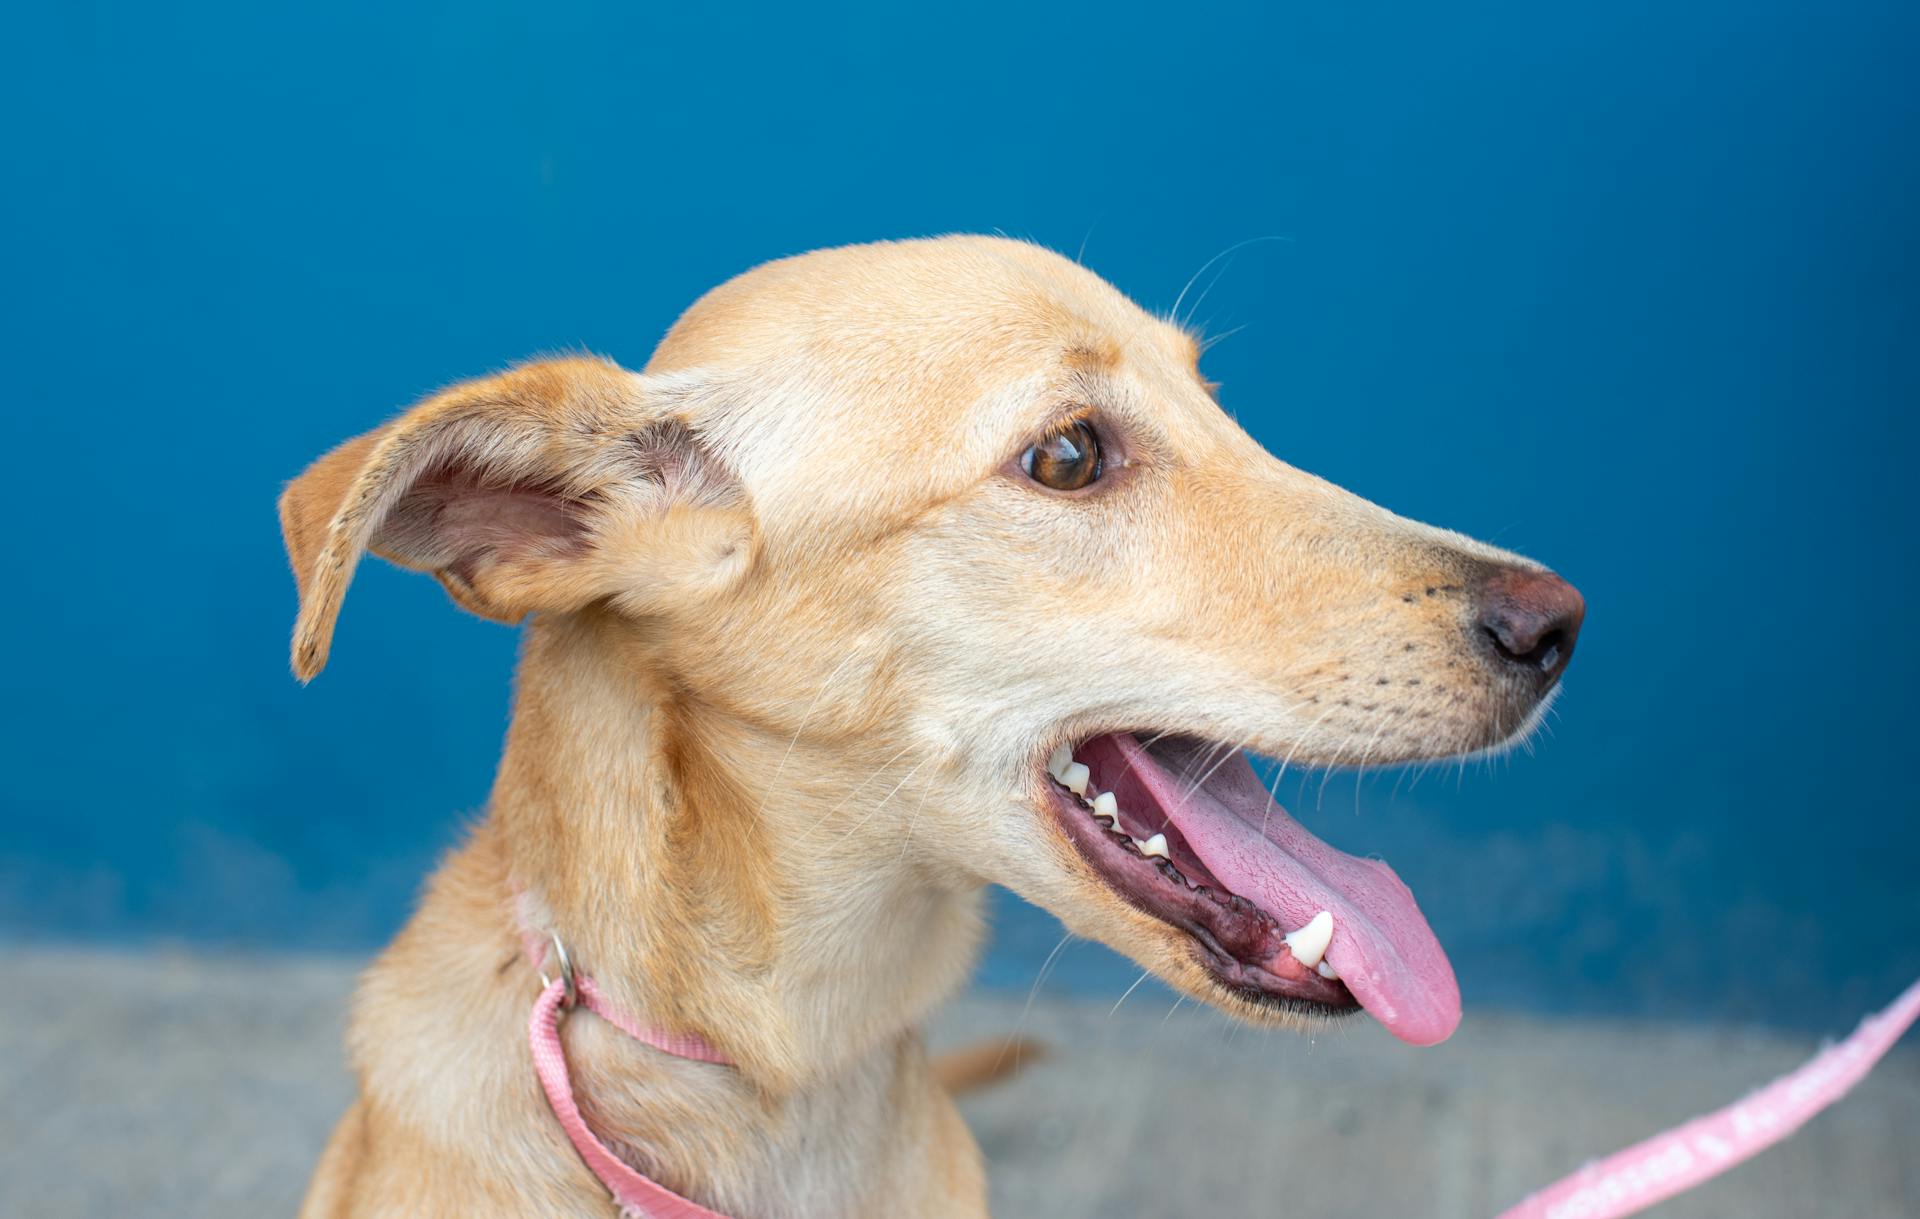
(160, 1085)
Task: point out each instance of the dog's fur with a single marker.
(800, 632)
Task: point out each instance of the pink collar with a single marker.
(636, 1195)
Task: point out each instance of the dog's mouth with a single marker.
(1185, 831)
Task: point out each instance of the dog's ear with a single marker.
(546, 488)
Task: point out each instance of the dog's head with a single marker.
(963, 534)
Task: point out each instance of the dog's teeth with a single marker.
(1326, 970)
(1059, 760)
(1156, 845)
(1104, 805)
(1075, 776)
(1309, 944)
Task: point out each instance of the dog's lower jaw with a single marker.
(652, 869)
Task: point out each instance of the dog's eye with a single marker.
(1066, 459)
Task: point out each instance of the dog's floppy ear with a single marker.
(546, 488)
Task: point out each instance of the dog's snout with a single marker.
(1531, 619)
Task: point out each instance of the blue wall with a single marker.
(1631, 287)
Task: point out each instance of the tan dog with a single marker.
(824, 607)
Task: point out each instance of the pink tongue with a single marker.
(1382, 947)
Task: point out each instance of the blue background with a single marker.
(1630, 287)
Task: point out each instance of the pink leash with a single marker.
(637, 1196)
(1630, 1181)
(1624, 1183)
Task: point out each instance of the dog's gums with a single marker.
(1184, 831)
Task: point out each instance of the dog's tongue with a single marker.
(1382, 947)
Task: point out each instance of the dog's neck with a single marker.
(711, 877)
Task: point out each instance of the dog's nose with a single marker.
(1531, 619)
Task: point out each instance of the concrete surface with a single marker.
(173, 1084)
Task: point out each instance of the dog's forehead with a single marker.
(849, 370)
(903, 297)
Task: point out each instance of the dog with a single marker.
(901, 570)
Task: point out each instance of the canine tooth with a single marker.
(1059, 760)
(1104, 805)
(1309, 943)
(1075, 776)
(1156, 845)
(1326, 970)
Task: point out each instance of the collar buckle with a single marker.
(557, 952)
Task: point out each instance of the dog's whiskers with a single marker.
(854, 791)
(1177, 1001)
(884, 800)
(1174, 313)
(1213, 340)
(1288, 761)
(1226, 753)
(1039, 980)
(913, 819)
(1123, 995)
(773, 784)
